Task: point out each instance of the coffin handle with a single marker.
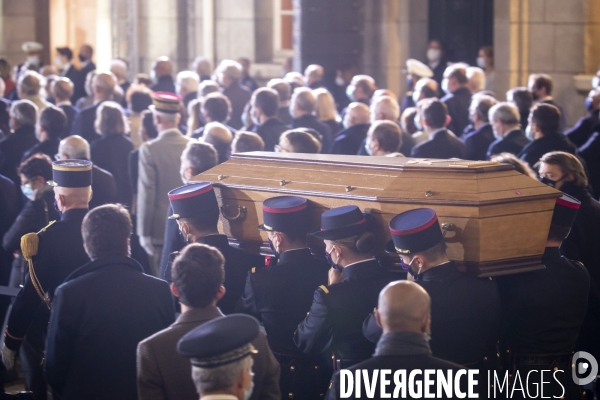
(241, 213)
(447, 227)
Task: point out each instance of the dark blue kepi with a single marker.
(342, 222)
(285, 214)
(71, 173)
(414, 231)
(194, 199)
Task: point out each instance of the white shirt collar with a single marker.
(219, 397)
(358, 262)
(63, 103)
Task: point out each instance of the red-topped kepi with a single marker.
(197, 198)
(414, 231)
(285, 214)
(166, 102)
(342, 222)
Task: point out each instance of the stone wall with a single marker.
(17, 25)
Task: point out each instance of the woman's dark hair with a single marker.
(140, 101)
(148, 124)
(37, 165)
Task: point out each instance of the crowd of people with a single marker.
(111, 161)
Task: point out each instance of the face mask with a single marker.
(28, 191)
(272, 246)
(589, 104)
(339, 81)
(596, 82)
(57, 210)
(330, 260)
(153, 76)
(248, 392)
(59, 62)
(415, 96)
(418, 123)
(535, 96)
(368, 147)
(496, 135)
(549, 182)
(481, 62)
(528, 132)
(82, 58)
(433, 55)
(350, 92)
(445, 85)
(254, 117)
(33, 60)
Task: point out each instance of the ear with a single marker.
(448, 120)
(378, 318)
(426, 323)
(174, 290)
(189, 173)
(376, 144)
(221, 293)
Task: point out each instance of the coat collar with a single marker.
(105, 262)
(196, 315)
(440, 273)
(74, 214)
(170, 133)
(361, 269)
(294, 254)
(514, 133)
(219, 241)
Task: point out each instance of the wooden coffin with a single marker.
(496, 219)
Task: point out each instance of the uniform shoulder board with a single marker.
(253, 269)
(46, 227)
(577, 263)
(324, 288)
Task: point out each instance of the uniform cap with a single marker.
(166, 102)
(416, 67)
(193, 199)
(414, 231)
(71, 173)
(30, 47)
(342, 222)
(285, 214)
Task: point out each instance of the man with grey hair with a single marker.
(23, 117)
(104, 186)
(478, 141)
(186, 85)
(203, 68)
(103, 87)
(386, 108)
(220, 137)
(313, 76)
(357, 122)
(159, 165)
(302, 107)
(62, 90)
(510, 138)
(119, 68)
(476, 77)
(29, 87)
(284, 91)
(229, 74)
(162, 75)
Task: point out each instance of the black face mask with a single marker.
(82, 58)
(548, 182)
(57, 210)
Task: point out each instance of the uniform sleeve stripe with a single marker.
(324, 288)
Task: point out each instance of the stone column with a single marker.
(17, 25)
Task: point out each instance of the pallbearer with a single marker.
(281, 295)
(196, 210)
(355, 280)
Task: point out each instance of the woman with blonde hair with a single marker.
(325, 110)
(520, 166)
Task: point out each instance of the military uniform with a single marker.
(60, 252)
(281, 295)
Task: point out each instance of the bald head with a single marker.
(404, 307)
(74, 147)
(103, 85)
(62, 89)
(385, 108)
(220, 137)
(163, 67)
(358, 113)
(383, 92)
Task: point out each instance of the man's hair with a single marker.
(458, 72)
(24, 111)
(75, 147)
(504, 112)
(110, 119)
(62, 89)
(482, 104)
(198, 273)
(208, 380)
(325, 105)
(139, 98)
(542, 81)
(217, 106)
(282, 88)
(435, 113)
(119, 68)
(304, 99)
(65, 51)
(267, 100)
(37, 165)
(301, 141)
(407, 120)
(207, 87)
(201, 156)
(106, 82)
(387, 134)
(31, 82)
(53, 120)
(547, 118)
(148, 124)
(232, 69)
(106, 230)
(520, 166)
(568, 164)
(220, 137)
(188, 80)
(476, 77)
(247, 141)
(365, 83)
(521, 97)
(434, 253)
(202, 66)
(558, 233)
(387, 106)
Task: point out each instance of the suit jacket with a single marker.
(458, 104)
(270, 132)
(111, 152)
(310, 121)
(239, 95)
(83, 124)
(104, 187)
(164, 84)
(334, 126)
(163, 374)
(283, 114)
(584, 128)
(4, 117)
(478, 142)
(349, 140)
(74, 75)
(513, 142)
(158, 174)
(536, 149)
(100, 314)
(589, 152)
(70, 111)
(49, 148)
(12, 149)
(441, 144)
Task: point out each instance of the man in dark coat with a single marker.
(355, 280)
(68, 70)
(23, 119)
(357, 123)
(589, 152)
(543, 129)
(101, 313)
(59, 252)
(51, 125)
(265, 104)
(478, 142)
(540, 86)
(505, 121)
(8, 203)
(281, 295)
(465, 309)
(162, 74)
(196, 210)
(62, 90)
(539, 329)
(581, 132)
(442, 143)
(229, 75)
(87, 65)
(302, 107)
(103, 87)
(284, 91)
(404, 313)
(457, 98)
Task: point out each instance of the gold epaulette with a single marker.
(253, 269)
(324, 288)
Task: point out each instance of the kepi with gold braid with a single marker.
(71, 173)
(166, 102)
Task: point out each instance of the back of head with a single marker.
(547, 118)
(504, 112)
(301, 141)
(110, 119)
(202, 66)
(74, 147)
(267, 100)
(53, 120)
(387, 134)
(207, 87)
(247, 141)
(294, 79)
(232, 69)
(481, 104)
(404, 307)
(457, 72)
(25, 112)
(188, 81)
(148, 124)
(435, 113)
(407, 120)
(106, 230)
(568, 164)
(163, 67)
(30, 83)
(385, 108)
(217, 107)
(139, 98)
(119, 68)
(200, 156)
(198, 273)
(37, 165)
(359, 113)
(325, 105)
(476, 78)
(313, 73)
(304, 100)
(220, 137)
(282, 88)
(104, 82)
(539, 81)
(62, 89)
(427, 87)
(365, 83)
(521, 97)
(520, 166)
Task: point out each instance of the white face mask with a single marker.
(418, 122)
(528, 132)
(248, 392)
(481, 63)
(445, 85)
(368, 147)
(415, 96)
(350, 92)
(595, 82)
(339, 81)
(33, 60)
(28, 191)
(59, 62)
(433, 55)
(255, 119)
